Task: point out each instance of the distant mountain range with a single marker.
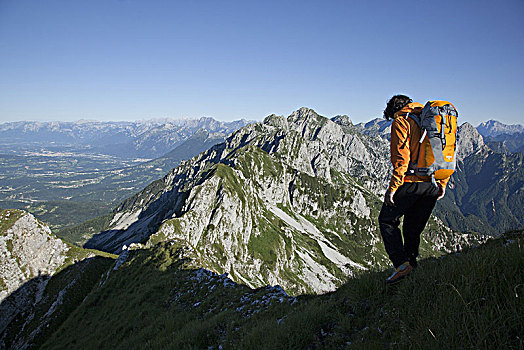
(493, 128)
(502, 137)
(177, 140)
(139, 139)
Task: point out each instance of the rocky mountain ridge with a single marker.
(377, 127)
(289, 201)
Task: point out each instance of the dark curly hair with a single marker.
(395, 104)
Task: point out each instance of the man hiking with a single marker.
(409, 195)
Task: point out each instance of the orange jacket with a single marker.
(404, 146)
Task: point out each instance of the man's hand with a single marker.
(441, 192)
(388, 198)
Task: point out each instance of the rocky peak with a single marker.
(303, 113)
(469, 140)
(342, 120)
(42, 279)
(277, 121)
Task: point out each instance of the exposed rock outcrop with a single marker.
(469, 141)
(27, 249)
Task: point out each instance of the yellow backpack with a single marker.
(438, 144)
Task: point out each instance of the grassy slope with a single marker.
(70, 286)
(469, 300)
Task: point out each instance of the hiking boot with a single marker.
(413, 262)
(400, 272)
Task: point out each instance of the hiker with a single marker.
(409, 195)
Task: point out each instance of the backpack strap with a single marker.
(412, 167)
(423, 135)
(415, 117)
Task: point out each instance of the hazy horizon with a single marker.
(162, 119)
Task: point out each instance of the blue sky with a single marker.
(129, 60)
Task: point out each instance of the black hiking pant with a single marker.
(415, 201)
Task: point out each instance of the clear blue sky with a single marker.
(128, 60)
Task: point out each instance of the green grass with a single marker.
(230, 181)
(73, 283)
(7, 219)
(251, 160)
(267, 244)
(81, 233)
(75, 254)
(61, 213)
(471, 300)
(9, 245)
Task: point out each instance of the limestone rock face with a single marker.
(469, 141)
(27, 250)
(29, 255)
(291, 201)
